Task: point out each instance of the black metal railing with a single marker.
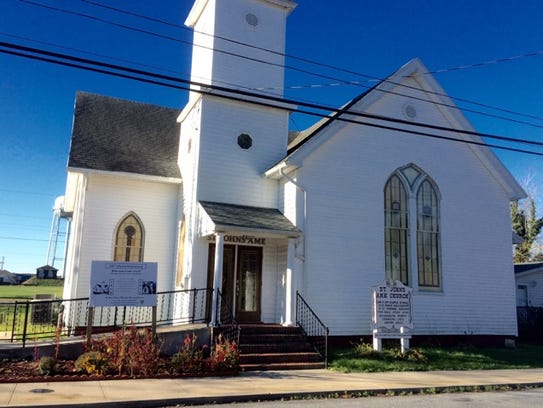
(34, 320)
(228, 326)
(313, 328)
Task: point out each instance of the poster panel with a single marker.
(123, 283)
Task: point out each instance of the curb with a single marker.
(347, 394)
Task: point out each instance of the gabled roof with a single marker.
(233, 217)
(117, 135)
(307, 141)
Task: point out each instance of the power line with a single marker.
(25, 192)
(335, 67)
(228, 92)
(24, 239)
(452, 106)
(485, 63)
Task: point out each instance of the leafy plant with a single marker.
(92, 362)
(47, 365)
(225, 355)
(190, 357)
(365, 350)
(130, 351)
(414, 355)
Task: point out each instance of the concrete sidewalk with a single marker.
(250, 386)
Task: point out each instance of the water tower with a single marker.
(59, 229)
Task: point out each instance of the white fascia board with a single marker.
(188, 107)
(123, 174)
(284, 166)
(458, 121)
(195, 13)
(289, 5)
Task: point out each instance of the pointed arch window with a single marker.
(396, 231)
(428, 235)
(411, 203)
(129, 240)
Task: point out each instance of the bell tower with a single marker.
(238, 44)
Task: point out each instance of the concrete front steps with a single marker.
(275, 347)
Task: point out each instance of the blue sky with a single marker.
(369, 37)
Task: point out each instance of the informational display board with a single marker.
(391, 307)
(123, 283)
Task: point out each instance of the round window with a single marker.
(245, 141)
(251, 19)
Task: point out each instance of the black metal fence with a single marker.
(530, 324)
(34, 320)
(228, 326)
(312, 326)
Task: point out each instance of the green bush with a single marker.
(47, 365)
(365, 350)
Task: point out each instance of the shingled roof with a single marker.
(111, 134)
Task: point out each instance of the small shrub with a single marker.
(130, 351)
(47, 365)
(190, 358)
(414, 355)
(93, 363)
(365, 350)
(225, 355)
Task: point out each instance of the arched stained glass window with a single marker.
(396, 230)
(129, 240)
(428, 235)
(412, 204)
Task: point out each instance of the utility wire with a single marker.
(340, 69)
(227, 93)
(304, 71)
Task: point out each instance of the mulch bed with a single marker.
(21, 371)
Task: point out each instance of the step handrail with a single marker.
(312, 326)
(229, 326)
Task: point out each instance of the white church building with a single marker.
(221, 195)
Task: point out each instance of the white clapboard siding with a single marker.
(107, 200)
(344, 234)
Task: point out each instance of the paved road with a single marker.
(510, 399)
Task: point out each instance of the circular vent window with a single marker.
(251, 19)
(245, 141)
(410, 111)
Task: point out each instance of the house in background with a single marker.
(46, 272)
(220, 196)
(529, 280)
(8, 278)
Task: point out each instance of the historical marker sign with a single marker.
(123, 283)
(391, 309)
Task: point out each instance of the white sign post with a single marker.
(391, 313)
(122, 284)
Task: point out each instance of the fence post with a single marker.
(90, 316)
(193, 304)
(14, 321)
(26, 322)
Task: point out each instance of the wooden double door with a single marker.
(241, 280)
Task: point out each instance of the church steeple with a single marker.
(231, 143)
(222, 28)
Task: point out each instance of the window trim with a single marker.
(413, 178)
(117, 231)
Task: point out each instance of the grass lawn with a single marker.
(426, 359)
(24, 292)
